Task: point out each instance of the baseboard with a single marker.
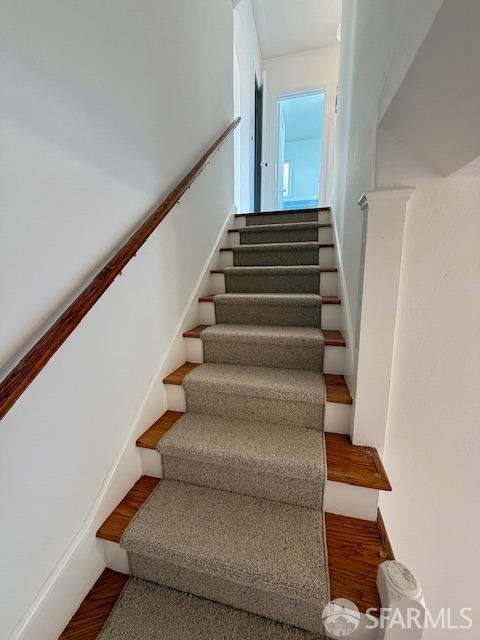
(83, 561)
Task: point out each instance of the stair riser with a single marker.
(306, 615)
(243, 407)
(322, 234)
(297, 491)
(298, 283)
(325, 258)
(287, 257)
(277, 284)
(340, 498)
(337, 416)
(309, 216)
(266, 355)
(333, 361)
(331, 316)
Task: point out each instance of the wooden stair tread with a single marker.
(355, 547)
(323, 245)
(116, 523)
(346, 462)
(351, 464)
(272, 213)
(325, 299)
(177, 376)
(94, 611)
(158, 429)
(322, 269)
(196, 331)
(320, 226)
(337, 390)
(333, 338)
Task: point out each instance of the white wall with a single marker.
(97, 125)
(373, 61)
(433, 443)
(249, 62)
(303, 71)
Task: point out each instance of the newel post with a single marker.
(385, 213)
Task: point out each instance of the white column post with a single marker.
(385, 211)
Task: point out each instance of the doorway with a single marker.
(257, 177)
(300, 142)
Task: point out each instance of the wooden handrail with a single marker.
(21, 376)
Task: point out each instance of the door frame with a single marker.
(274, 108)
(258, 144)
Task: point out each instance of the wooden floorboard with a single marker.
(355, 548)
(92, 614)
(350, 464)
(116, 523)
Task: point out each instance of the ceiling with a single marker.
(286, 26)
(303, 117)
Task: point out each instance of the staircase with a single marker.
(252, 452)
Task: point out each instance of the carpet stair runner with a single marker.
(238, 519)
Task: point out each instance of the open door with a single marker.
(257, 180)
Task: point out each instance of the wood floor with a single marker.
(92, 614)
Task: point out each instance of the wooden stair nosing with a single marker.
(337, 390)
(346, 462)
(276, 212)
(355, 547)
(322, 270)
(325, 299)
(323, 245)
(321, 225)
(333, 337)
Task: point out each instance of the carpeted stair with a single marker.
(263, 459)
(238, 516)
(276, 254)
(262, 556)
(147, 611)
(285, 310)
(290, 279)
(289, 232)
(264, 346)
